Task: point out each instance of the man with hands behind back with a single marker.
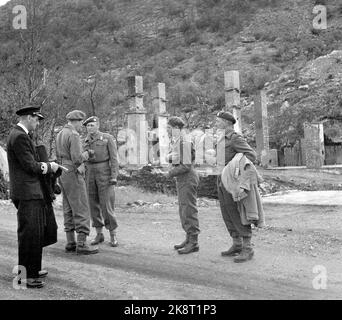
(75, 199)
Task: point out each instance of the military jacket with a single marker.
(69, 146)
(182, 157)
(236, 143)
(105, 149)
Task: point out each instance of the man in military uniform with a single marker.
(181, 156)
(27, 194)
(102, 170)
(75, 199)
(234, 143)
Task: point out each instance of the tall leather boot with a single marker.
(235, 249)
(247, 251)
(113, 239)
(82, 246)
(71, 242)
(182, 245)
(191, 246)
(99, 237)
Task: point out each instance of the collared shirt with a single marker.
(105, 149)
(23, 127)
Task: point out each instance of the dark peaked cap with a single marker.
(176, 122)
(30, 110)
(226, 116)
(75, 115)
(91, 119)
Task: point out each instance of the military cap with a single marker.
(226, 116)
(30, 110)
(91, 119)
(76, 115)
(176, 122)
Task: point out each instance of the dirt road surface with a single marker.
(298, 241)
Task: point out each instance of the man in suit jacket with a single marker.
(27, 195)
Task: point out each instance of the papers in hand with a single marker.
(64, 168)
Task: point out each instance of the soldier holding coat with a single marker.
(241, 233)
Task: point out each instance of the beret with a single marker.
(30, 110)
(227, 116)
(176, 122)
(90, 119)
(76, 115)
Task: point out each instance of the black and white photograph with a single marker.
(168, 155)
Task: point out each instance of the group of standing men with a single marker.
(188, 181)
(88, 184)
(87, 176)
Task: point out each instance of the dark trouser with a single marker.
(101, 195)
(231, 214)
(50, 230)
(31, 223)
(187, 200)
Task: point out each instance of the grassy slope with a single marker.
(188, 46)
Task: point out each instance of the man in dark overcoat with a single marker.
(27, 194)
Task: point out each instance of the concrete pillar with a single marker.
(232, 96)
(136, 123)
(273, 158)
(160, 118)
(303, 151)
(314, 145)
(261, 128)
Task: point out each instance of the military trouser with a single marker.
(231, 214)
(187, 200)
(75, 201)
(101, 195)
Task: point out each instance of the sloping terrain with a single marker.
(186, 44)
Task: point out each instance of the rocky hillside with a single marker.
(186, 44)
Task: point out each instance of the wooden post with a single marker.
(314, 145)
(273, 158)
(136, 123)
(261, 128)
(232, 96)
(160, 118)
